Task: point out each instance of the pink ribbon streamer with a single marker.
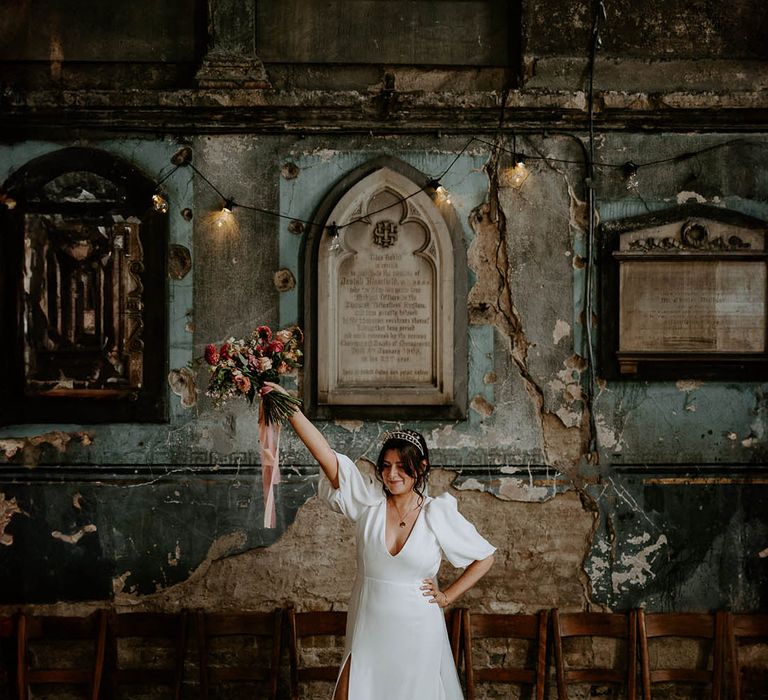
(269, 442)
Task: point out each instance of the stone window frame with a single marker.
(150, 403)
(457, 410)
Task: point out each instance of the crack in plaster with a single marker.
(490, 301)
(625, 496)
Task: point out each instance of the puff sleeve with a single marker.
(356, 492)
(460, 541)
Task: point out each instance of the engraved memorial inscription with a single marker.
(385, 300)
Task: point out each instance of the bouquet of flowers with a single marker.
(241, 367)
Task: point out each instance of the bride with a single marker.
(396, 640)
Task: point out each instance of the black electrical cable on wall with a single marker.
(598, 15)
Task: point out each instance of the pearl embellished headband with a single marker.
(408, 437)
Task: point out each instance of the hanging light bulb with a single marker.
(519, 174)
(334, 238)
(630, 173)
(434, 187)
(159, 202)
(223, 217)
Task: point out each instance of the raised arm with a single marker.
(315, 442)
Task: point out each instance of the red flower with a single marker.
(263, 334)
(211, 354)
(224, 352)
(275, 346)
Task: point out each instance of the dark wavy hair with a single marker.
(413, 460)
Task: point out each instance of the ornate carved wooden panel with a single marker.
(83, 306)
(85, 292)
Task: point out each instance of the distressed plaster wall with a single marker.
(599, 496)
(527, 435)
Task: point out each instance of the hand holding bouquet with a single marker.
(242, 368)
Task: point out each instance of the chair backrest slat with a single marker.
(64, 631)
(302, 625)
(529, 628)
(7, 633)
(621, 626)
(701, 627)
(145, 626)
(265, 625)
(742, 629)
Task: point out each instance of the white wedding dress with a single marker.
(397, 642)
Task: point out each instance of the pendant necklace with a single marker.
(407, 513)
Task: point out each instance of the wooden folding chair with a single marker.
(530, 628)
(154, 635)
(223, 627)
(7, 654)
(75, 644)
(704, 628)
(746, 630)
(302, 625)
(621, 626)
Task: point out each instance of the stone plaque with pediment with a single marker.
(385, 307)
(685, 292)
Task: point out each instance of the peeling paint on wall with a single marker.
(8, 508)
(481, 406)
(75, 537)
(29, 448)
(175, 556)
(606, 435)
(683, 197)
(509, 488)
(562, 330)
(634, 569)
(183, 383)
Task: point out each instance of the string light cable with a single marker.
(434, 183)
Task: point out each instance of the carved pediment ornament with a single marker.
(694, 235)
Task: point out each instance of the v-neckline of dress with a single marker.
(410, 534)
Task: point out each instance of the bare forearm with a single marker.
(469, 577)
(317, 445)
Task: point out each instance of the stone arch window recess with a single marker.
(83, 292)
(685, 295)
(387, 309)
